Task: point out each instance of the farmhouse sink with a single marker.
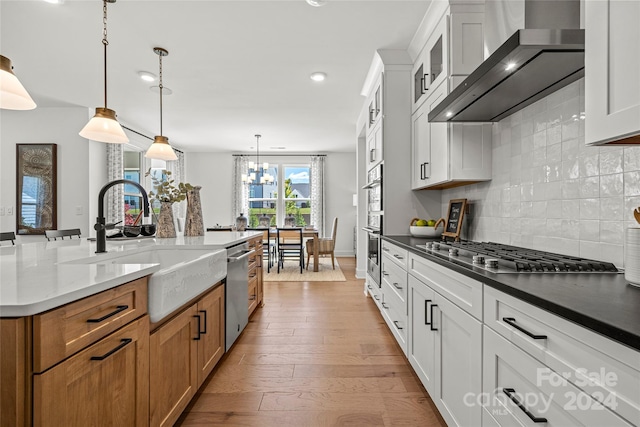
(184, 274)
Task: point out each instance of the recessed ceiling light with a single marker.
(449, 114)
(510, 66)
(278, 148)
(147, 76)
(317, 3)
(165, 90)
(318, 76)
(55, 1)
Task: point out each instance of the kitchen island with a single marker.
(76, 324)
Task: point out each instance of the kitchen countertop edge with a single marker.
(613, 324)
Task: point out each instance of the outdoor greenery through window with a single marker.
(284, 202)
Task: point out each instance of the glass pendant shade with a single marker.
(13, 96)
(160, 149)
(103, 127)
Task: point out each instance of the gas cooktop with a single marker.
(500, 258)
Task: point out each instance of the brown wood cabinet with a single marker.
(106, 384)
(84, 363)
(255, 274)
(184, 351)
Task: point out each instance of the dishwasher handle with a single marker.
(245, 254)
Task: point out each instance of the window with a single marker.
(287, 197)
(132, 196)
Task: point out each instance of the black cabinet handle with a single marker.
(384, 305)
(426, 309)
(425, 170)
(395, 322)
(118, 309)
(431, 324)
(205, 321)
(384, 273)
(123, 342)
(376, 297)
(421, 171)
(198, 327)
(396, 256)
(424, 83)
(395, 285)
(512, 322)
(510, 393)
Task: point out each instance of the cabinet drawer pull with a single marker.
(396, 256)
(372, 155)
(384, 273)
(426, 310)
(384, 305)
(205, 321)
(395, 322)
(252, 297)
(118, 309)
(376, 297)
(123, 342)
(369, 287)
(431, 324)
(385, 249)
(512, 322)
(395, 285)
(198, 327)
(424, 83)
(510, 393)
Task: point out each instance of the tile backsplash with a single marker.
(549, 190)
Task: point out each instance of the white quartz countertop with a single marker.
(36, 277)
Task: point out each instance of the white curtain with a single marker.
(114, 206)
(317, 193)
(240, 190)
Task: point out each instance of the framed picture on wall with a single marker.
(36, 188)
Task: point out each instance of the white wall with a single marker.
(549, 190)
(76, 160)
(213, 172)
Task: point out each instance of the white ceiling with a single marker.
(236, 68)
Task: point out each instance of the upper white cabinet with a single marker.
(612, 71)
(447, 155)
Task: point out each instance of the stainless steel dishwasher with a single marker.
(236, 292)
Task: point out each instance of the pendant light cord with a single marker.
(105, 43)
(160, 87)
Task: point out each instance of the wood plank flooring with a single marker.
(317, 354)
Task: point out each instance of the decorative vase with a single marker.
(166, 227)
(241, 222)
(264, 221)
(194, 225)
(290, 221)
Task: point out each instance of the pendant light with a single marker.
(160, 149)
(254, 168)
(104, 126)
(13, 96)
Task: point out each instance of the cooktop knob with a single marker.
(453, 251)
(491, 263)
(429, 245)
(436, 246)
(478, 259)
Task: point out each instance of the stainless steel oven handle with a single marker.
(370, 230)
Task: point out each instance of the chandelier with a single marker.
(258, 173)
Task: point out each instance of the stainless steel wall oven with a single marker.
(375, 215)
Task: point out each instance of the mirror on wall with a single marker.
(36, 193)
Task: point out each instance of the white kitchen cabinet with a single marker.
(446, 354)
(519, 390)
(374, 145)
(612, 71)
(448, 155)
(420, 339)
(570, 350)
(375, 105)
(394, 294)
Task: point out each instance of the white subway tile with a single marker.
(612, 232)
(570, 130)
(613, 253)
(612, 208)
(540, 139)
(632, 183)
(589, 187)
(589, 164)
(589, 230)
(539, 209)
(590, 250)
(611, 161)
(554, 209)
(571, 209)
(571, 189)
(571, 169)
(611, 185)
(526, 127)
(554, 190)
(570, 229)
(554, 172)
(554, 153)
(589, 208)
(631, 158)
(570, 149)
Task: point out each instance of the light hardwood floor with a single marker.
(317, 354)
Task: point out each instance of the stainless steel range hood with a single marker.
(529, 65)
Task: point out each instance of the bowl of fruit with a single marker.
(424, 228)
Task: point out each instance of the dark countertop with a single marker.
(604, 303)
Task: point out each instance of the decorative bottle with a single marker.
(194, 225)
(241, 222)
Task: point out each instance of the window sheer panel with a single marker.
(317, 193)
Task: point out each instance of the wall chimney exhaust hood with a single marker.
(531, 64)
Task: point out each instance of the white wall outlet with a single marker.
(1, 210)
(10, 210)
(79, 210)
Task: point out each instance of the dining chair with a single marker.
(268, 244)
(326, 245)
(8, 236)
(289, 245)
(54, 234)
